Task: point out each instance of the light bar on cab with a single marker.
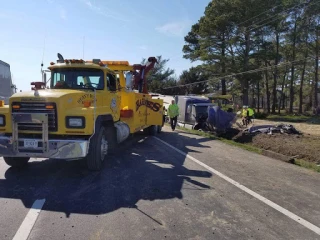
(70, 61)
(108, 63)
(126, 63)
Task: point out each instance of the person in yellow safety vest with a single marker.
(173, 113)
(244, 115)
(250, 114)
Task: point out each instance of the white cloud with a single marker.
(63, 13)
(88, 3)
(143, 47)
(91, 6)
(174, 28)
(104, 11)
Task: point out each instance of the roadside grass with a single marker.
(298, 162)
(293, 118)
(306, 164)
(230, 142)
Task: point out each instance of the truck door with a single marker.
(154, 111)
(113, 98)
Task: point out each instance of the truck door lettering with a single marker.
(152, 105)
(85, 96)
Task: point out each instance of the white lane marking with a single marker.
(275, 206)
(29, 221)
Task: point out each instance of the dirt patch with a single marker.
(230, 133)
(306, 128)
(300, 146)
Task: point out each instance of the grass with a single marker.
(306, 164)
(230, 142)
(289, 118)
(298, 162)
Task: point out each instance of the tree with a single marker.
(194, 75)
(313, 14)
(208, 39)
(160, 76)
(240, 37)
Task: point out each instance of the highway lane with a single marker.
(148, 190)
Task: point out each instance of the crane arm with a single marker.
(140, 77)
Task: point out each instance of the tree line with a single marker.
(264, 53)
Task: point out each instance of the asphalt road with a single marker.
(152, 190)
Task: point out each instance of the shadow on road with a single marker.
(142, 169)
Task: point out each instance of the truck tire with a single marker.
(159, 129)
(153, 130)
(111, 137)
(98, 150)
(17, 162)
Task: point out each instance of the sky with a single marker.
(35, 31)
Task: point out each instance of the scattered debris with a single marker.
(270, 129)
(282, 139)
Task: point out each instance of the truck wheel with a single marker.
(153, 130)
(159, 129)
(111, 137)
(17, 162)
(98, 150)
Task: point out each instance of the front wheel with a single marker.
(98, 150)
(17, 162)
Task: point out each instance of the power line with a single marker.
(276, 18)
(241, 73)
(272, 16)
(259, 14)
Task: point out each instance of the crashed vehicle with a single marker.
(219, 120)
(193, 111)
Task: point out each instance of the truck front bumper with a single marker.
(56, 149)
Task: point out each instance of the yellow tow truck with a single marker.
(89, 108)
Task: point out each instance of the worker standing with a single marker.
(244, 115)
(173, 112)
(250, 115)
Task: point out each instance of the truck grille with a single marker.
(35, 107)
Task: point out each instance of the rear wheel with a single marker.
(152, 130)
(98, 150)
(17, 162)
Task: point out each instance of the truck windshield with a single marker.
(77, 78)
(201, 111)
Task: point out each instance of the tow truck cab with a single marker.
(84, 114)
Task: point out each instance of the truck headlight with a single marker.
(75, 122)
(2, 120)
